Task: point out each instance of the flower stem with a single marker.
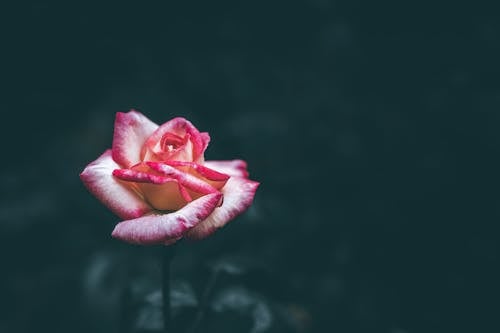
(167, 255)
(204, 301)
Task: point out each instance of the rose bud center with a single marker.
(170, 142)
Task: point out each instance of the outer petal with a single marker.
(236, 168)
(166, 228)
(118, 197)
(132, 129)
(238, 196)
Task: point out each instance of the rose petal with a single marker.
(238, 196)
(118, 197)
(166, 228)
(132, 129)
(236, 168)
(181, 127)
(189, 181)
(169, 196)
(210, 176)
(199, 170)
(162, 193)
(132, 175)
(205, 138)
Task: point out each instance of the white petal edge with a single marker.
(237, 168)
(131, 131)
(167, 228)
(99, 180)
(238, 196)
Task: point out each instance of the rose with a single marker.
(156, 179)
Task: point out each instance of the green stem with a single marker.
(167, 255)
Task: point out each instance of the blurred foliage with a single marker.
(372, 126)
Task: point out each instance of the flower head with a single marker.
(157, 180)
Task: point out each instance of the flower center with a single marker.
(170, 142)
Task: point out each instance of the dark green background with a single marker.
(372, 127)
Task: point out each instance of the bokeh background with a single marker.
(373, 128)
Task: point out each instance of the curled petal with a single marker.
(131, 131)
(205, 138)
(199, 169)
(161, 192)
(166, 228)
(210, 176)
(191, 182)
(118, 197)
(140, 177)
(182, 128)
(238, 196)
(237, 168)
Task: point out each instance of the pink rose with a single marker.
(156, 179)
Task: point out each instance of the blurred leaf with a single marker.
(182, 295)
(233, 298)
(150, 317)
(102, 281)
(150, 314)
(262, 318)
(154, 299)
(235, 264)
(244, 302)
